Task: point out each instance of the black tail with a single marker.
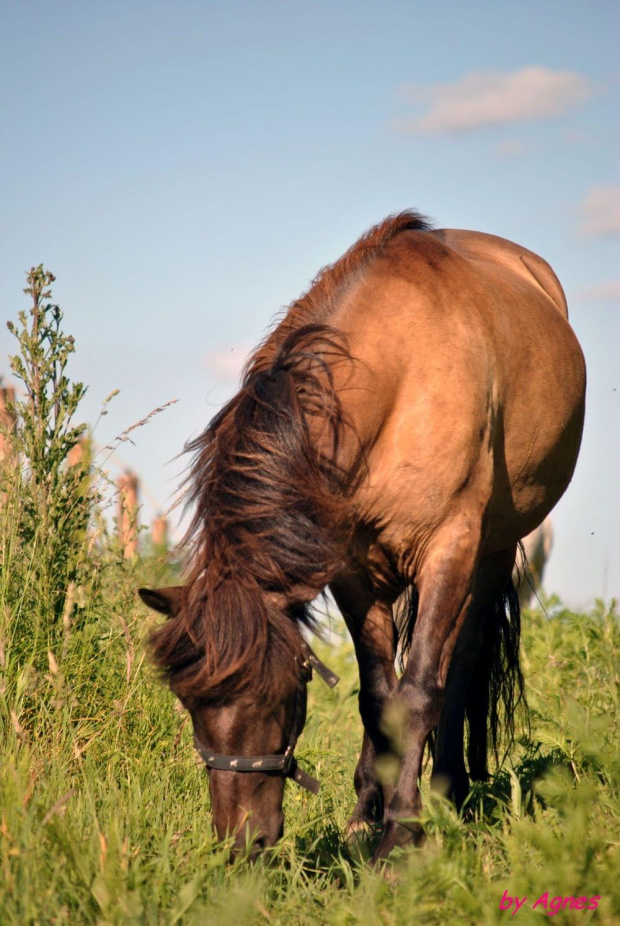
(404, 620)
(496, 688)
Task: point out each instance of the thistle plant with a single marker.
(48, 498)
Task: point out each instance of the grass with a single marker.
(105, 815)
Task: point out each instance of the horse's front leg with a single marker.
(371, 802)
(372, 629)
(444, 584)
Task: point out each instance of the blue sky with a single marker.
(185, 169)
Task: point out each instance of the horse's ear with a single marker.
(167, 601)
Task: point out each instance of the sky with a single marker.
(184, 169)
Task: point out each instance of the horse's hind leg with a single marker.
(449, 771)
(444, 583)
(372, 630)
(467, 687)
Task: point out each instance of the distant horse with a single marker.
(536, 552)
(411, 417)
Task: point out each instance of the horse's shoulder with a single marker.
(478, 246)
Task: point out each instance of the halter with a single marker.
(285, 763)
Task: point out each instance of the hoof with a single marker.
(398, 836)
(358, 828)
(362, 836)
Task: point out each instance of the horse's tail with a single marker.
(406, 614)
(496, 687)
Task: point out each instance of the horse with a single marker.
(537, 548)
(411, 417)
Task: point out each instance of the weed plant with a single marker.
(47, 502)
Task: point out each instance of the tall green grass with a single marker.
(105, 815)
(104, 809)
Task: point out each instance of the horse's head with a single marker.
(247, 743)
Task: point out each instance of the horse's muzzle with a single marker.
(250, 850)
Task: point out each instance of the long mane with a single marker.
(270, 501)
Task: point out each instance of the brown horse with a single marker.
(413, 415)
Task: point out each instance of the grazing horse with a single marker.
(410, 418)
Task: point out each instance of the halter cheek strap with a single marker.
(286, 763)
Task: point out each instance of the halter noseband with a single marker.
(286, 763)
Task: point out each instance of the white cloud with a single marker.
(484, 98)
(227, 362)
(600, 211)
(606, 292)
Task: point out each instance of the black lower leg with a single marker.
(370, 624)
